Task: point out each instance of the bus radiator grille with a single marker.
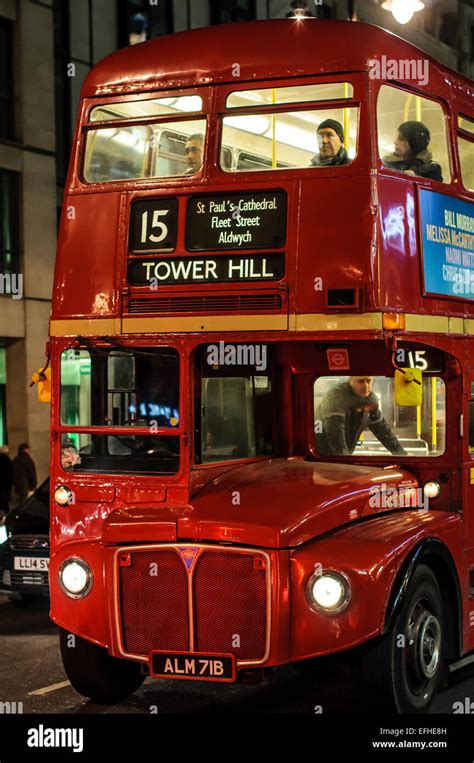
(228, 591)
(206, 304)
(230, 605)
(154, 602)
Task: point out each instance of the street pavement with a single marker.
(31, 672)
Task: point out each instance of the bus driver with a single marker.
(345, 411)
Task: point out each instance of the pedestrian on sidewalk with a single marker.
(6, 479)
(24, 472)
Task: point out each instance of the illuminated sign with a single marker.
(447, 235)
(236, 221)
(173, 270)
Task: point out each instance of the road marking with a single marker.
(461, 663)
(47, 689)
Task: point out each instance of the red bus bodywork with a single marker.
(293, 512)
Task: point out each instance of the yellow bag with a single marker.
(408, 387)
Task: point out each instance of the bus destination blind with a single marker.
(224, 267)
(236, 221)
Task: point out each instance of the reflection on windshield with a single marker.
(357, 415)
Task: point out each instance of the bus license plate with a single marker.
(193, 666)
(31, 563)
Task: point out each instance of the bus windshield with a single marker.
(115, 388)
(357, 416)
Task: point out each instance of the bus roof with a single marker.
(263, 49)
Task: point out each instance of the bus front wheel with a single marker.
(95, 674)
(404, 666)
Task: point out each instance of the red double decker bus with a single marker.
(262, 360)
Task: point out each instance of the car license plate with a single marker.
(193, 666)
(39, 563)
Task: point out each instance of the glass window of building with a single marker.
(289, 140)
(412, 135)
(360, 418)
(3, 398)
(7, 101)
(140, 20)
(226, 11)
(9, 229)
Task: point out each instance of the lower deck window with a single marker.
(233, 411)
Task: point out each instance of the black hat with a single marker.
(333, 125)
(417, 135)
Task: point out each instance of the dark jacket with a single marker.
(421, 164)
(24, 474)
(6, 481)
(344, 416)
(340, 158)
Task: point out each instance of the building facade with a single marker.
(46, 49)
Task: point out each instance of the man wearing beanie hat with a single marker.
(411, 153)
(331, 145)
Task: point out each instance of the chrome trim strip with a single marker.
(202, 547)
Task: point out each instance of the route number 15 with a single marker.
(153, 225)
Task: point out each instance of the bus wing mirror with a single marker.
(408, 387)
(43, 379)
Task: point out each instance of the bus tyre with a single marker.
(403, 668)
(95, 674)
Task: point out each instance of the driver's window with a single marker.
(358, 416)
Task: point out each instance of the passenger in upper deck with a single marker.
(194, 153)
(411, 154)
(330, 135)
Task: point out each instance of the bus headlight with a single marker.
(432, 489)
(63, 496)
(329, 592)
(75, 578)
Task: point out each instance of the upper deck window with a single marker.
(466, 151)
(163, 149)
(466, 124)
(327, 91)
(289, 140)
(466, 158)
(412, 135)
(143, 109)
